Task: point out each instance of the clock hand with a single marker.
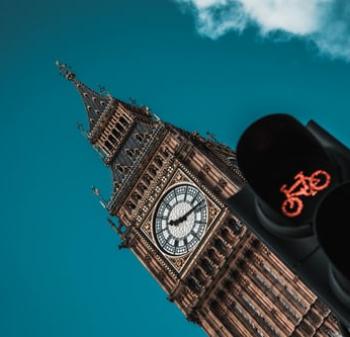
(175, 222)
(184, 217)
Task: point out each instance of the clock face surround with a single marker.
(180, 220)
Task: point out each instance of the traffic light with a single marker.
(297, 201)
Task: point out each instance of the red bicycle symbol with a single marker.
(303, 186)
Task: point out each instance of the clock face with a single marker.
(180, 220)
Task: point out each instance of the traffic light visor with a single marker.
(286, 167)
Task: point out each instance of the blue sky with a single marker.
(61, 274)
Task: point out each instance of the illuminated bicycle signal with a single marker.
(303, 187)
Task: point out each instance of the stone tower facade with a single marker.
(169, 193)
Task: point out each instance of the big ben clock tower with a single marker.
(169, 193)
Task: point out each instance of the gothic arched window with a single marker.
(136, 197)
(213, 256)
(200, 276)
(193, 285)
(219, 245)
(108, 145)
(234, 226)
(227, 284)
(207, 267)
(130, 206)
(124, 121)
(227, 236)
(159, 162)
(132, 153)
(152, 170)
(141, 188)
(139, 137)
(165, 152)
(119, 127)
(116, 133)
(112, 139)
(147, 179)
(122, 169)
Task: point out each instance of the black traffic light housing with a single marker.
(295, 201)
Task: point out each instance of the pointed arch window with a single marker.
(108, 145)
(135, 197)
(116, 133)
(193, 285)
(219, 245)
(214, 305)
(130, 206)
(124, 121)
(233, 274)
(117, 185)
(213, 256)
(152, 170)
(120, 127)
(199, 275)
(207, 267)
(228, 284)
(122, 168)
(165, 152)
(234, 226)
(147, 179)
(132, 153)
(141, 188)
(158, 161)
(112, 139)
(227, 236)
(140, 137)
(247, 253)
(220, 294)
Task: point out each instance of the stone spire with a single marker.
(95, 103)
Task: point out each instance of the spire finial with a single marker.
(97, 192)
(211, 137)
(95, 103)
(120, 228)
(65, 71)
(102, 90)
(82, 130)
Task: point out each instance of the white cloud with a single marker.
(324, 22)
